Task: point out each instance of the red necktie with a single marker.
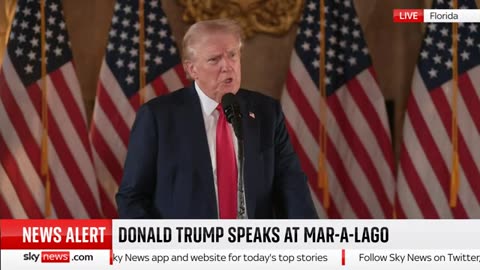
(226, 169)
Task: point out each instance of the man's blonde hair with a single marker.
(199, 29)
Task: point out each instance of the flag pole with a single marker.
(9, 13)
(322, 160)
(141, 49)
(455, 181)
(44, 165)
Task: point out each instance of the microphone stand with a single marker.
(241, 201)
(231, 109)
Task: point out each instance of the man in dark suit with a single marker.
(182, 155)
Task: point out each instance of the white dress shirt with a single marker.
(210, 118)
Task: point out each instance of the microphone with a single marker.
(231, 108)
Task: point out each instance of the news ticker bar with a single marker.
(368, 259)
(214, 244)
(436, 15)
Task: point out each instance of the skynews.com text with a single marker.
(56, 257)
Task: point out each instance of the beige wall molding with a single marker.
(270, 16)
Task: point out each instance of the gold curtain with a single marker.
(6, 17)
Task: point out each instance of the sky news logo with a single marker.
(48, 256)
(55, 257)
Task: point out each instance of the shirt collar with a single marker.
(208, 105)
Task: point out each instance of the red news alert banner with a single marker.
(56, 234)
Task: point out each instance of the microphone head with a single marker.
(230, 106)
(228, 99)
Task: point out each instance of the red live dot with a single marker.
(408, 15)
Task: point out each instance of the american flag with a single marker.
(118, 89)
(74, 189)
(426, 153)
(359, 150)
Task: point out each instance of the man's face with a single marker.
(215, 64)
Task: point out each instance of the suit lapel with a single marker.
(191, 117)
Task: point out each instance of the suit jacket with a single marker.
(168, 171)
